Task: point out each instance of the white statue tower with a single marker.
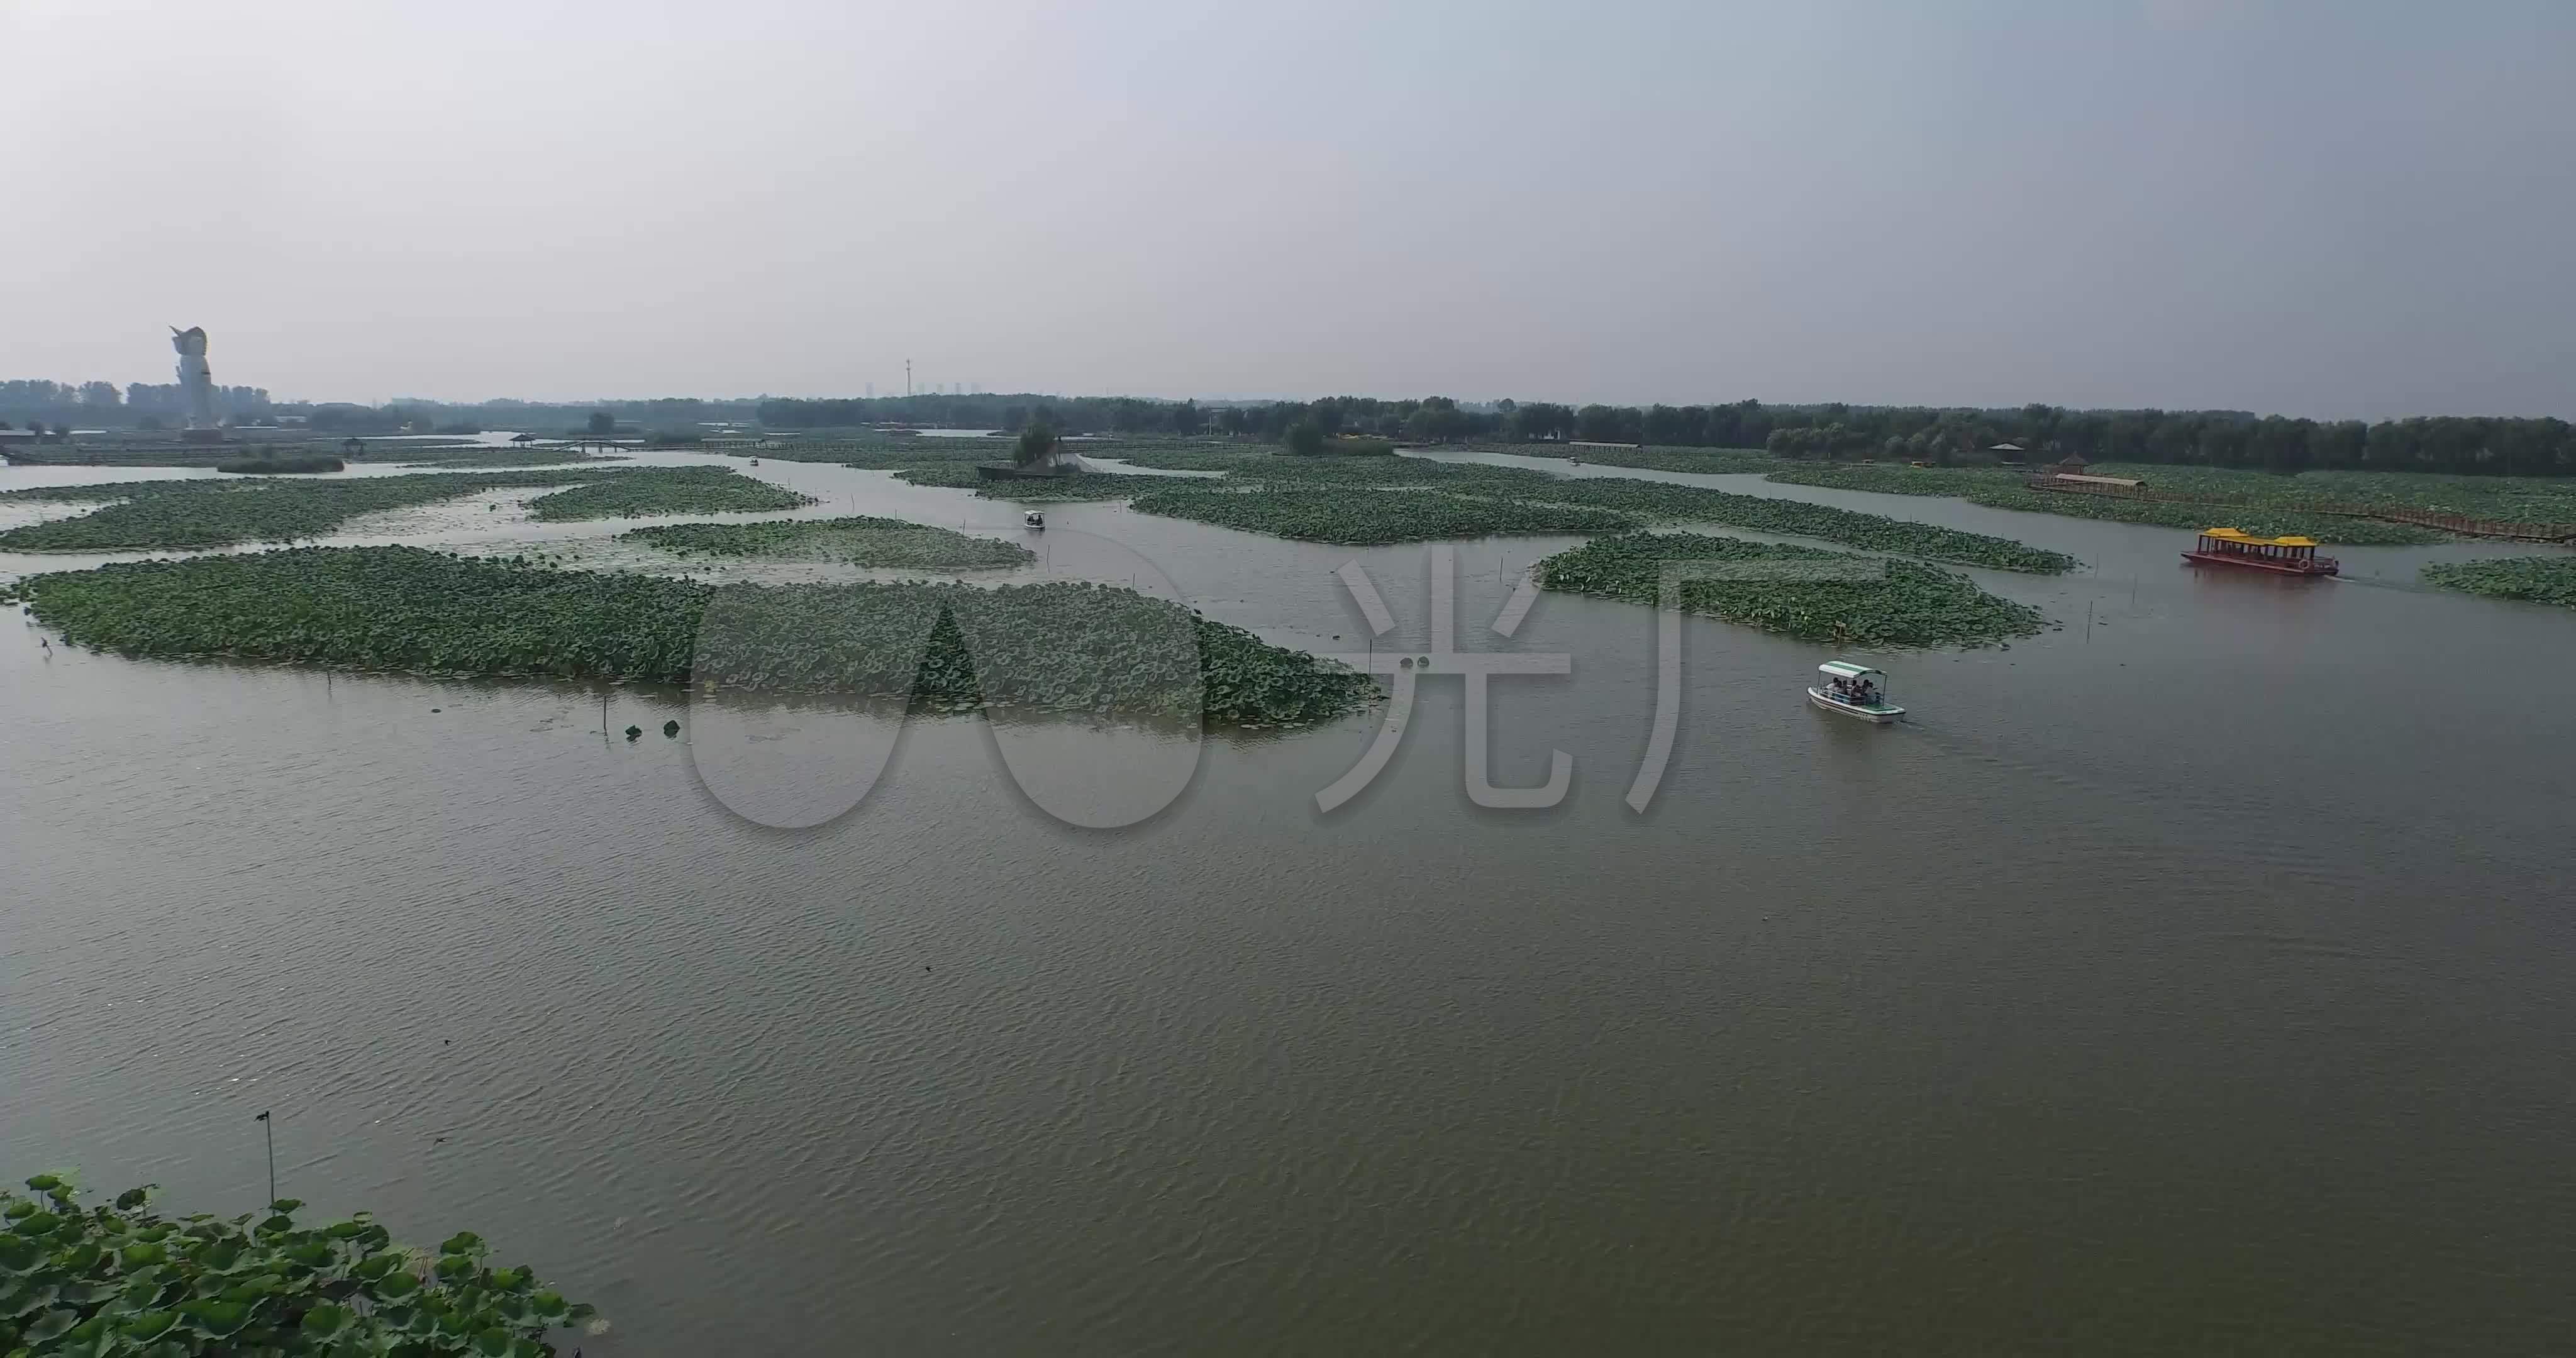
(196, 380)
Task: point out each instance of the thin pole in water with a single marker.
(271, 1129)
(2088, 624)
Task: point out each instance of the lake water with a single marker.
(2191, 981)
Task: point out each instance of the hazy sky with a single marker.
(2338, 208)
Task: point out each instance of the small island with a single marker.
(1803, 592)
(267, 463)
(1059, 646)
(876, 543)
(2528, 579)
(162, 515)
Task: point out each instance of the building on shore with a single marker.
(196, 385)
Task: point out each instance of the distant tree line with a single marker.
(166, 398)
(147, 405)
(1832, 430)
(2472, 445)
(61, 404)
(1944, 436)
(1436, 419)
(105, 405)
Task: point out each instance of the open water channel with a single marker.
(2192, 981)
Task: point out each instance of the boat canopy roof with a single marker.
(2239, 535)
(1844, 669)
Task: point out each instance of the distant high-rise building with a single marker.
(196, 380)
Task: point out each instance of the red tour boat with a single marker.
(2281, 556)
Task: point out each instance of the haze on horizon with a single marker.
(2323, 209)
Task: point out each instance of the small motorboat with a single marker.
(1034, 519)
(1854, 691)
(755, 462)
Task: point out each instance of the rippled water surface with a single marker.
(2194, 980)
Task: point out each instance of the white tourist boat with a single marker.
(1854, 691)
(1034, 519)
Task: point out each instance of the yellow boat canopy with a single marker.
(2238, 535)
